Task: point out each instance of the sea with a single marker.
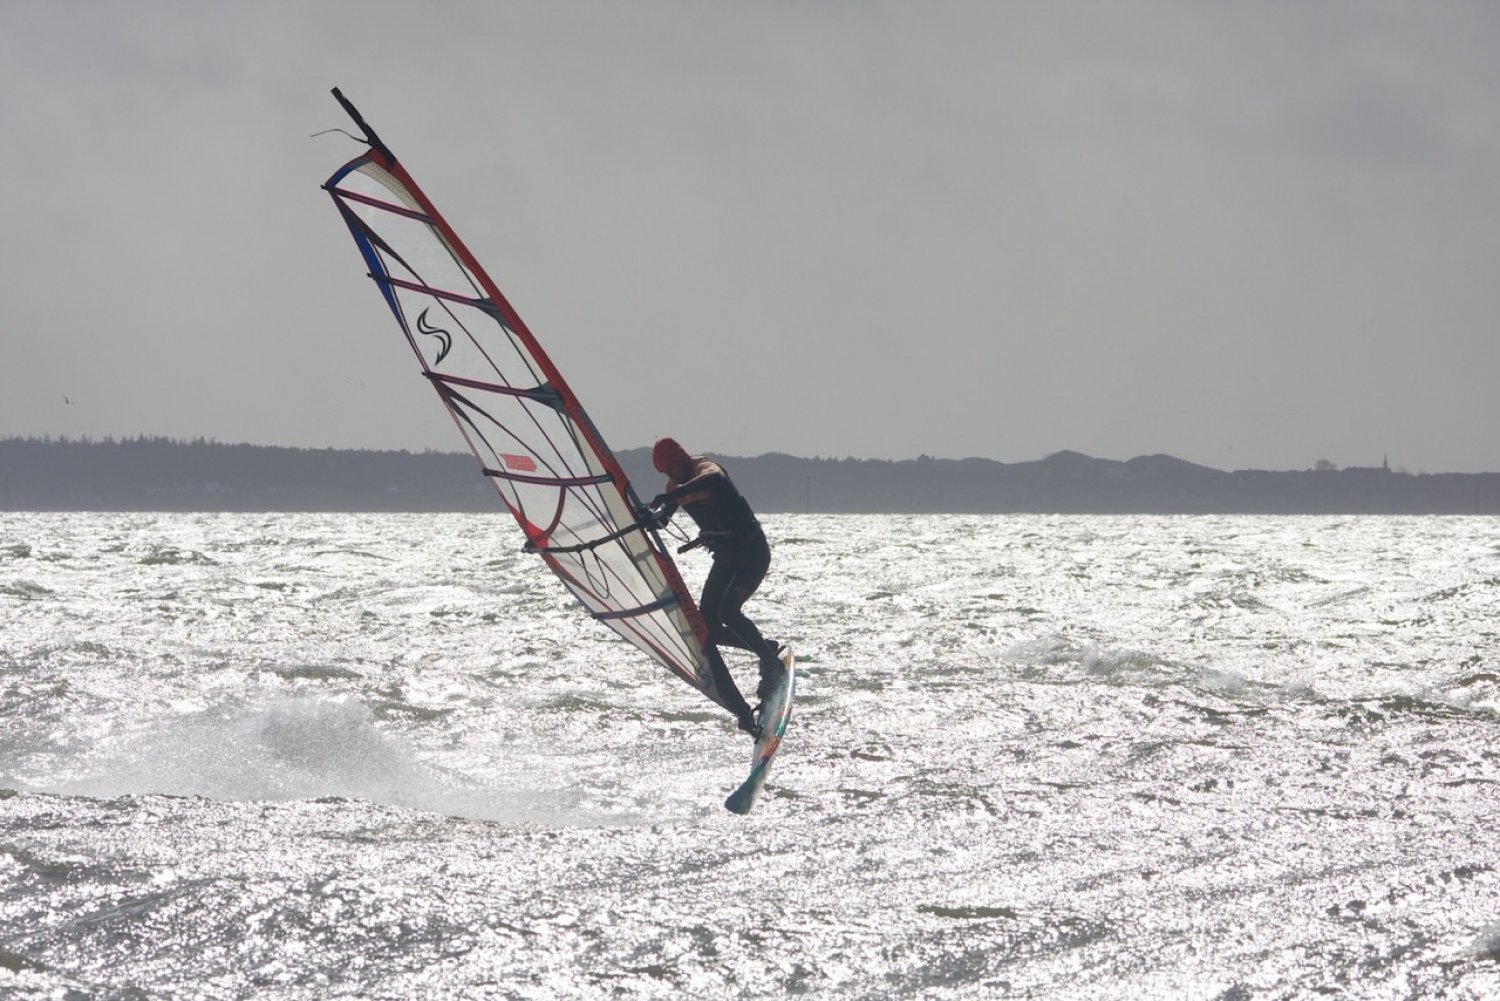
(310, 756)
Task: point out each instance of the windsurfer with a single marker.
(729, 529)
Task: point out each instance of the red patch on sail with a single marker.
(523, 463)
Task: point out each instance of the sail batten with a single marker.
(387, 206)
(542, 394)
(565, 481)
(436, 293)
(526, 429)
(630, 613)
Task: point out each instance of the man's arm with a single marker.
(699, 487)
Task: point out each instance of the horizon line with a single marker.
(1320, 465)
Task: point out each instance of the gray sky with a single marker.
(1246, 234)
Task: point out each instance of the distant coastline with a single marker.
(157, 474)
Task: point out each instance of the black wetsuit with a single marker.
(741, 555)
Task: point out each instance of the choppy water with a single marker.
(309, 756)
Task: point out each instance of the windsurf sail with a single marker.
(522, 422)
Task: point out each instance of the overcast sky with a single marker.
(1245, 234)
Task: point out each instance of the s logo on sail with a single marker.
(444, 338)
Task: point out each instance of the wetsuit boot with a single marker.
(772, 672)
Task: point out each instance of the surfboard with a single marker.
(774, 718)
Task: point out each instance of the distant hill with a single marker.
(1072, 483)
(156, 474)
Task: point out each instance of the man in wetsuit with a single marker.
(742, 556)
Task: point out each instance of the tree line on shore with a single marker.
(157, 473)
